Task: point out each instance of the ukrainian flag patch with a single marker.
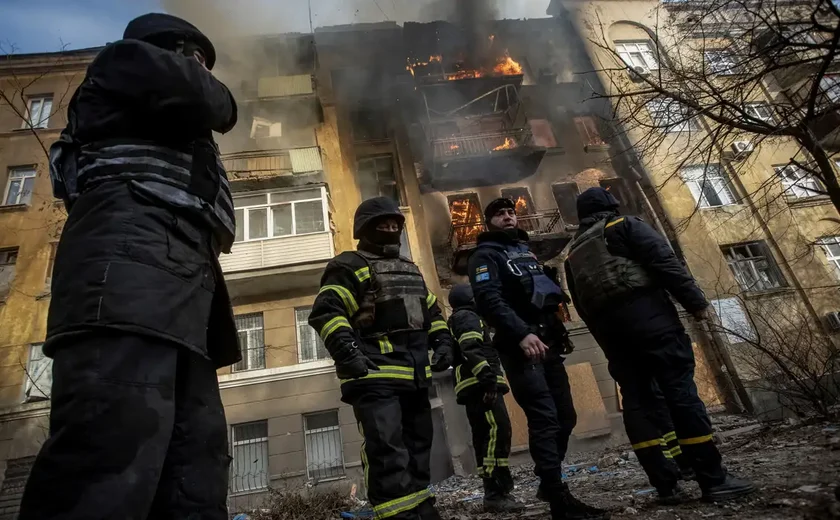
(481, 273)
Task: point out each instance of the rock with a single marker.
(631, 511)
(783, 502)
(813, 488)
(608, 461)
(628, 455)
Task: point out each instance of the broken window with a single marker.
(761, 111)
(753, 266)
(467, 221)
(565, 195)
(798, 183)
(721, 62)
(310, 345)
(587, 128)
(734, 320)
(8, 259)
(263, 128)
(324, 449)
(369, 124)
(250, 329)
(377, 179)
(19, 188)
(38, 374)
(249, 467)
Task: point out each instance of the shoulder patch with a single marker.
(481, 269)
(482, 277)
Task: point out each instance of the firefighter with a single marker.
(140, 318)
(620, 274)
(516, 297)
(480, 387)
(378, 321)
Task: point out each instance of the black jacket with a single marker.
(650, 312)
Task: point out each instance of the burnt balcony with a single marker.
(263, 169)
(547, 230)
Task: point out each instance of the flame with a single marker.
(466, 220)
(435, 58)
(454, 147)
(507, 145)
(506, 66)
(521, 206)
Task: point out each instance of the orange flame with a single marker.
(507, 145)
(506, 66)
(454, 147)
(466, 220)
(521, 206)
(436, 58)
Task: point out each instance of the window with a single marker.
(262, 128)
(709, 185)
(587, 128)
(324, 452)
(310, 345)
(38, 374)
(797, 182)
(279, 214)
(761, 111)
(565, 195)
(39, 112)
(721, 62)
(830, 85)
(405, 245)
(251, 341)
(467, 219)
(19, 188)
(734, 320)
(376, 178)
(8, 259)
(753, 266)
(638, 54)
(249, 468)
(671, 116)
(831, 247)
(50, 265)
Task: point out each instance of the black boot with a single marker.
(672, 496)
(729, 489)
(427, 510)
(497, 499)
(564, 506)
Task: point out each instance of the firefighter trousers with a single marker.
(656, 370)
(396, 453)
(542, 391)
(491, 434)
(137, 431)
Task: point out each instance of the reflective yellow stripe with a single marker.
(333, 325)
(385, 346)
(363, 273)
(465, 384)
(503, 462)
(428, 372)
(345, 295)
(675, 451)
(386, 372)
(471, 335)
(476, 369)
(614, 222)
(398, 505)
(696, 440)
(430, 300)
(670, 436)
(458, 375)
(647, 444)
(365, 464)
(667, 454)
(501, 380)
(491, 444)
(438, 325)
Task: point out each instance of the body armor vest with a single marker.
(396, 299)
(194, 181)
(601, 278)
(544, 292)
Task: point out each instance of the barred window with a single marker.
(753, 266)
(310, 345)
(251, 341)
(249, 468)
(324, 449)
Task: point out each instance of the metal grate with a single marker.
(310, 345)
(249, 468)
(324, 449)
(251, 342)
(480, 145)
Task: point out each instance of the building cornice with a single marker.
(268, 375)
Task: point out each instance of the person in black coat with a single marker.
(621, 274)
(140, 318)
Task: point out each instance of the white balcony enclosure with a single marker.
(283, 241)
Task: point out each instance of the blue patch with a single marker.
(482, 277)
(481, 269)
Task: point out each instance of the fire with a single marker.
(521, 206)
(507, 145)
(466, 220)
(454, 147)
(507, 66)
(435, 58)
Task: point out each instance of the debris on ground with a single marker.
(795, 466)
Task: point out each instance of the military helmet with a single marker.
(156, 28)
(372, 210)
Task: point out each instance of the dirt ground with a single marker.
(796, 468)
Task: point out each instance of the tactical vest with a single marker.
(544, 293)
(194, 181)
(396, 299)
(601, 278)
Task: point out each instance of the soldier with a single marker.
(140, 317)
(620, 274)
(480, 387)
(378, 321)
(521, 302)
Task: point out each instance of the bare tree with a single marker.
(730, 76)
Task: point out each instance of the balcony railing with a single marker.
(463, 236)
(272, 162)
(278, 252)
(481, 144)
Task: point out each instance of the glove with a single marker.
(442, 358)
(352, 364)
(566, 344)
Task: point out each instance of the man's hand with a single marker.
(533, 347)
(442, 358)
(353, 364)
(490, 397)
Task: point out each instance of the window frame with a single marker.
(376, 172)
(5, 254)
(772, 266)
(31, 382)
(754, 107)
(651, 49)
(722, 56)
(306, 434)
(268, 205)
(696, 186)
(244, 349)
(689, 123)
(588, 131)
(830, 92)
(42, 122)
(794, 190)
(259, 440)
(298, 336)
(833, 261)
(26, 170)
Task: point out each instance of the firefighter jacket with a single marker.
(477, 363)
(383, 306)
(512, 293)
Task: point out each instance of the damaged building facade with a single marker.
(440, 116)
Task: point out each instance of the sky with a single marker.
(49, 25)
